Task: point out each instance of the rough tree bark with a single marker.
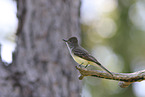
(125, 79)
(41, 66)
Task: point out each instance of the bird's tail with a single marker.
(104, 68)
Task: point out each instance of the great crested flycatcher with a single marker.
(80, 55)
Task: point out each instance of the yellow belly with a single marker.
(83, 61)
(80, 60)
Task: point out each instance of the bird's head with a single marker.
(72, 42)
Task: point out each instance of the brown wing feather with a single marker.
(84, 54)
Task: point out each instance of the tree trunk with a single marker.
(42, 66)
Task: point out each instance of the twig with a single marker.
(125, 78)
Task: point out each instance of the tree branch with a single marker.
(125, 78)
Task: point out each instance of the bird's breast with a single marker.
(80, 60)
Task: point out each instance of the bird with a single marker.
(80, 55)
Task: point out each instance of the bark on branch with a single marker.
(125, 79)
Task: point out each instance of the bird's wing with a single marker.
(84, 54)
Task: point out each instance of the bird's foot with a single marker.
(80, 65)
(86, 66)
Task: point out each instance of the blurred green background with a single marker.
(113, 31)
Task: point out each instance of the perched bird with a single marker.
(80, 55)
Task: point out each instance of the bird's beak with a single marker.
(65, 40)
